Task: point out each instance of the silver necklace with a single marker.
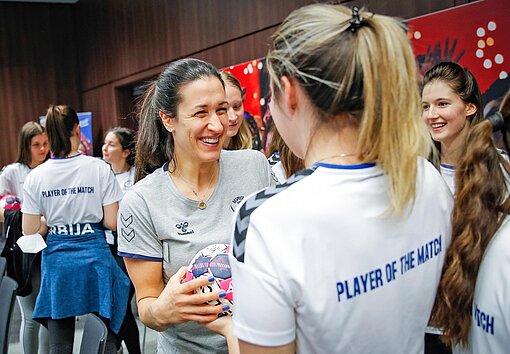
(336, 155)
(201, 204)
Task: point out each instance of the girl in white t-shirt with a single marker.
(473, 302)
(119, 151)
(33, 150)
(452, 103)
(78, 197)
(346, 255)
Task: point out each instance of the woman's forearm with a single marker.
(150, 316)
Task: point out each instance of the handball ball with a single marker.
(10, 202)
(213, 261)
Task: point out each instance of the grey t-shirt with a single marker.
(157, 223)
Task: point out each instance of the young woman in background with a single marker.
(238, 134)
(452, 103)
(33, 150)
(78, 196)
(119, 150)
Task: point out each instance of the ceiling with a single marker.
(44, 1)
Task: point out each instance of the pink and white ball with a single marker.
(10, 202)
(213, 261)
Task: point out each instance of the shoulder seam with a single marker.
(251, 204)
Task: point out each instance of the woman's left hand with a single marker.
(222, 325)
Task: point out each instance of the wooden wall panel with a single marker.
(223, 32)
(120, 38)
(100, 103)
(37, 66)
(93, 51)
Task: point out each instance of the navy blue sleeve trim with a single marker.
(139, 256)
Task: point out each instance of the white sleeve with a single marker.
(263, 313)
(137, 237)
(31, 201)
(267, 174)
(112, 192)
(6, 186)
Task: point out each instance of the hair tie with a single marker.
(356, 21)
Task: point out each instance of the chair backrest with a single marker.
(7, 295)
(94, 336)
(3, 264)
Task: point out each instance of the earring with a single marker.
(170, 130)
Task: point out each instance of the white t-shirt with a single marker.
(70, 190)
(12, 178)
(126, 179)
(279, 172)
(320, 260)
(448, 173)
(490, 322)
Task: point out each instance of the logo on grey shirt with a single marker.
(183, 226)
(126, 230)
(235, 202)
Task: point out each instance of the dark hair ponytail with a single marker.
(155, 144)
(479, 210)
(60, 122)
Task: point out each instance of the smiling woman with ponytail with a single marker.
(473, 301)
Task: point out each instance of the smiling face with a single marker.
(201, 122)
(112, 149)
(235, 109)
(38, 149)
(445, 113)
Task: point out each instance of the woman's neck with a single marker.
(33, 165)
(120, 167)
(73, 152)
(449, 156)
(450, 150)
(336, 146)
(226, 142)
(198, 175)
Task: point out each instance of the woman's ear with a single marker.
(289, 93)
(470, 109)
(77, 130)
(167, 121)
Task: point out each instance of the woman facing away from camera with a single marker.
(452, 103)
(33, 150)
(78, 196)
(119, 150)
(185, 202)
(238, 134)
(473, 301)
(346, 255)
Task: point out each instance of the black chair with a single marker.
(3, 265)
(8, 289)
(94, 337)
